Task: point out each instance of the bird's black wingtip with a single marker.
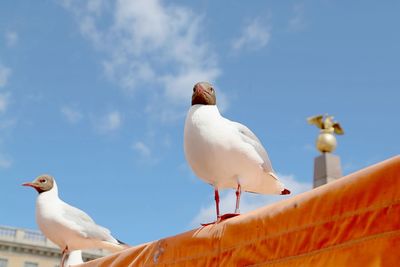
(285, 192)
(121, 243)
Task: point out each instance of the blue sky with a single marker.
(96, 92)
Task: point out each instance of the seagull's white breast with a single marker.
(49, 220)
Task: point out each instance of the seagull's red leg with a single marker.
(221, 218)
(216, 196)
(238, 194)
(216, 193)
(230, 215)
(64, 256)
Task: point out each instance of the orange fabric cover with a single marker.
(354, 221)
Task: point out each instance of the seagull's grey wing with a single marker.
(249, 137)
(85, 225)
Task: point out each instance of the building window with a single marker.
(30, 264)
(3, 262)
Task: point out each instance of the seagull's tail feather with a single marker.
(123, 244)
(285, 192)
(264, 183)
(112, 247)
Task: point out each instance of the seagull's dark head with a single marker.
(203, 94)
(42, 183)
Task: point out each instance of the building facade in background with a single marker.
(30, 248)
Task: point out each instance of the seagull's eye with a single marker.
(42, 181)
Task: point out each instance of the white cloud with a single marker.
(4, 100)
(11, 38)
(95, 6)
(142, 148)
(254, 35)
(297, 22)
(71, 114)
(5, 162)
(110, 122)
(149, 44)
(4, 75)
(248, 201)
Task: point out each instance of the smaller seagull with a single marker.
(224, 153)
(66, 226)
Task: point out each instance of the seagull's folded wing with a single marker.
(249, 137)
(84, 224)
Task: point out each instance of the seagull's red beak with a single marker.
(198, 94)
(29, 184)
(198, 89)
(34, 185)
(203, 95)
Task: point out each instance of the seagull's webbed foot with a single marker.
(206, 224)
(222, 218)
(227, 216)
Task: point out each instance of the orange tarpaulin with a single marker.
(354, 221)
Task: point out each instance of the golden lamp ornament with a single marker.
(326, 141)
